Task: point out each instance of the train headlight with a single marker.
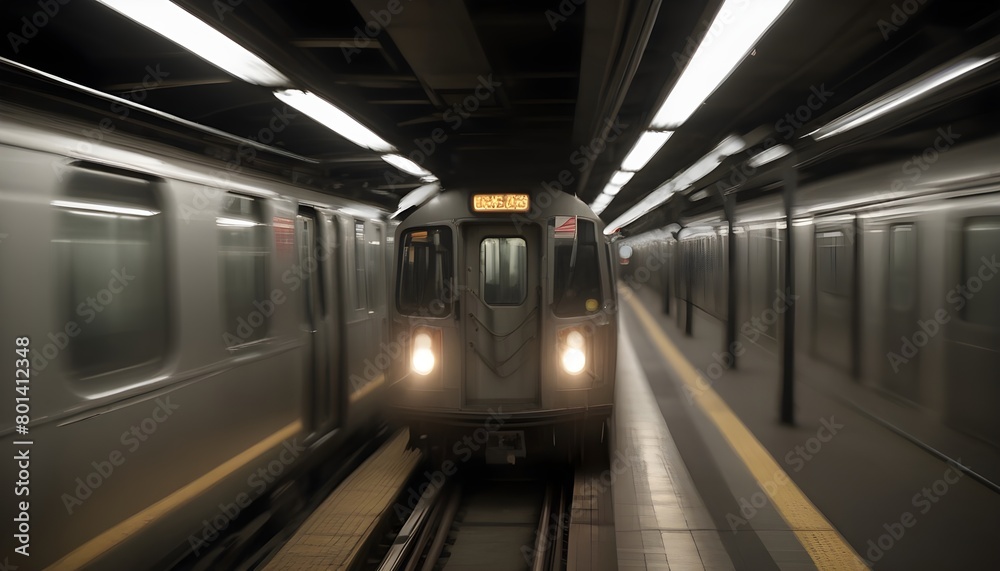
(422, 356)
(574, 353)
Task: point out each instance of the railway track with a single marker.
(485, 524)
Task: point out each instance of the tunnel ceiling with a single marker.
(497, 91)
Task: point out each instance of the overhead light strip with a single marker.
(736, 28)
(334, 118)
(909, 92)
(645, 148)
(183, 28)
(740, 24)
(701, 168)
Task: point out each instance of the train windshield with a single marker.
(576, 271)
(425, 272)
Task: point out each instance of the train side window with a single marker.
(243, 253)
(831, 263)
(425, 271)
(503, 270)
(902, 266)
(576, 269)
(360, 273)
(111, 253)
(981, 241)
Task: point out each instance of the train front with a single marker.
(505, 326)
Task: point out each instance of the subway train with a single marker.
(180, 343)
(506, 302)
(895, 271)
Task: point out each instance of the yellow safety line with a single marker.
(828, 549)
(108, 540)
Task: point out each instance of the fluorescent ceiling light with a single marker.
(237, 222)
(705, 165)
(649, 144)
(770, 155)
(620, 178)
(332, 117)
(733, 32)
(181, 27)
(406, 165)
(611, 189)
(904, 94)
(103, 208)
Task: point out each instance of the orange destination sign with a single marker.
(500, 203)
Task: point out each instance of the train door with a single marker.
(833, 294)
(500, 305)
(361, 311)
(764, 248)
(901, 315)
(312, 233)
(972, 329)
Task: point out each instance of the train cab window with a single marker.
(360, 272)
(503, 270)
(576, 269)
(902, 267)
(980, 244)
(110, 250)
(243, 255)
(425, 271)
(832, 271)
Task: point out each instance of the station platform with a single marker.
(661, 519)
(334, 537)
(856, 483)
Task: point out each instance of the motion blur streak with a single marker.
(88, 552)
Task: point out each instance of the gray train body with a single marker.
(198, 338)
(518, 311)
(895, 273)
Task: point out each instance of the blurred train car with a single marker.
(895, 281)
(190, 338)
(506, 303)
